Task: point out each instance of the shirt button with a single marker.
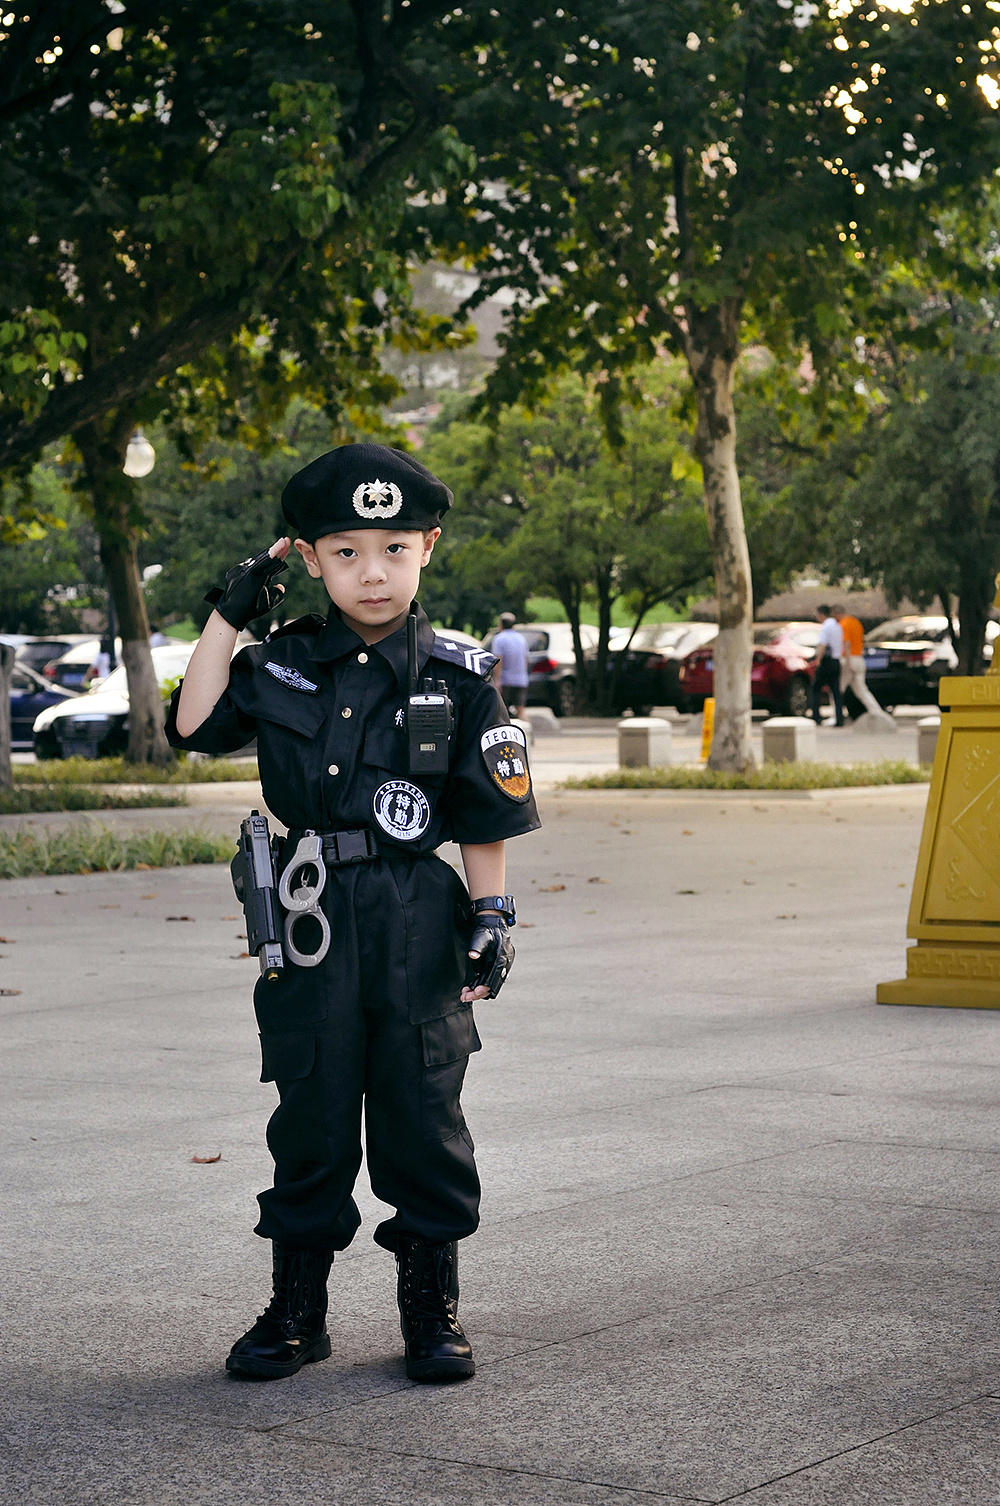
(346, 711)
(333, 769)
(362, 658)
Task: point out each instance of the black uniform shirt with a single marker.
(328, 712)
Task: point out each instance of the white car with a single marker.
(97, 726)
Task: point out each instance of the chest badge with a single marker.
(401, 809)
(290, 677)
(505, 753)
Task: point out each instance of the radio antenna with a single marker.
(411, 651)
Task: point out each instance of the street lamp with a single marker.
(140, 457)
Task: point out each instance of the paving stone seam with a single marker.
(624, 1492)
(856, 1448)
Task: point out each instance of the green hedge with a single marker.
(117, 771)
(89, 850)
(29, 799)
(770, 776)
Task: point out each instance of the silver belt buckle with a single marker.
(304, 899)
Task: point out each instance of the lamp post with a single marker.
(140, 457)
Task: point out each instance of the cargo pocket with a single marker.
(286, 1057)
(447, 1045)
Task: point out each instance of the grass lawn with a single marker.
(770, 776)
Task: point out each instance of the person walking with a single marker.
(511, 649)
(852, 669)
(827, 676)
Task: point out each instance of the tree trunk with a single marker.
(7, 652)
(111, 495)
(712, 348)
(975, 597)
(605, 599)
(570, 595)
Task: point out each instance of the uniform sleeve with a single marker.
(478, 809)
(226, 729)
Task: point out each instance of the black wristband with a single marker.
(496, 904)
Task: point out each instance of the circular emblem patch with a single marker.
(401, 810)
(377, 499)
(505, 753)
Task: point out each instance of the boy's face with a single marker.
(371, 574)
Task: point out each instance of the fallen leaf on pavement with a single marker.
(687, 833)
(7, 940)
(230, 917)
(687, 891)
(206, 1160)
(526, 925)
(143, 867)
(180, 917)
(9, 993)
(786, 917)
(109, 907)
(63, 892)
(551, 888)
(597, 881)
(147, 896)
(235, 956)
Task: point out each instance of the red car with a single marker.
(784, 661)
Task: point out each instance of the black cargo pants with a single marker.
(378, 1027)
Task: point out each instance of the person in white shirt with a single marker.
(511, 649)
(828, 655)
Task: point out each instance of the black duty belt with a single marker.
(340, 847)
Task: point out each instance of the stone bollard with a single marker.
(527, 728)
(789, 739)
(644, 741)
(544, 722)
(927, 736)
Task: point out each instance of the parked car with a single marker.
(70, 668)
(95, 725)
(647, 672)
(781, 672)
(31, 693)
(36, 652)
(906, 657)
(551, 662)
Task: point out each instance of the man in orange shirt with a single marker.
(852, 669)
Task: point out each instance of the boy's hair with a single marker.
(507, 619)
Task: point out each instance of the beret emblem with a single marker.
(370, 499)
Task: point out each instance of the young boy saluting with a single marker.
(372, 1011)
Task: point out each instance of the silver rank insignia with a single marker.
(291, 677)
(505, 753)
(377, 499)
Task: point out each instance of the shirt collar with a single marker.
(336, 640)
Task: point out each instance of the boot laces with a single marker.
(426, 1284)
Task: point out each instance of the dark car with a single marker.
(551, 662)
(30, 693)
(37, 652)
(781, 673)
(906, 657)
(647, 672)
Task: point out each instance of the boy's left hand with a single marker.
(491, 955)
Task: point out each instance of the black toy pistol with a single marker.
(256, 889)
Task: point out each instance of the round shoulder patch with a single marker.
(401, 809)
(505, 753)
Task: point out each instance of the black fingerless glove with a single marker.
(248, 592)
(491, 939)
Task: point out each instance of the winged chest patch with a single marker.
(291, 677)
(505, 753)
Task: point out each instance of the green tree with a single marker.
(557, 508)
(212, 206)
(694, 173)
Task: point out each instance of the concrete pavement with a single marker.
(741, 1233)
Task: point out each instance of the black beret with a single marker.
(363, 486)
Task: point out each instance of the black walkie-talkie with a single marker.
(428, 713)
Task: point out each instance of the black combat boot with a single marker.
(291, 1332)
(427, 1293)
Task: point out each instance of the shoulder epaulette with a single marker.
(312, 623)
(477, 660)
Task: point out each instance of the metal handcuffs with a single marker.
(304, 900)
